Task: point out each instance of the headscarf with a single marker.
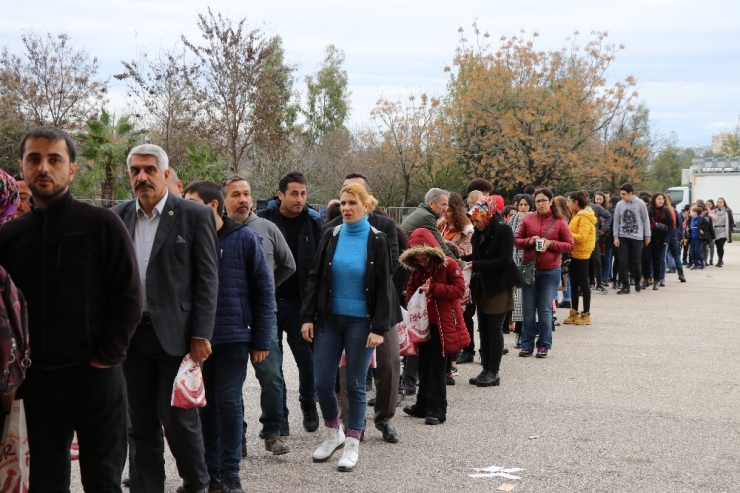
(483, 211)
(518, 198)
(10, 198)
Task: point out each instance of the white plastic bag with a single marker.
(405, 346)
(417, 318)
(188, 390)
(467, 275)
(15, 459)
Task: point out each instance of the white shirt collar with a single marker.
(159, 207)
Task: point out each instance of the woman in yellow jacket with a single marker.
(583, 229)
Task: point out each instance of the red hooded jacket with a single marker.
(446, 284)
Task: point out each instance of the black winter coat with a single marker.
(382, 304)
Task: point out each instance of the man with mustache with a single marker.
(175, 243)
(76, 266)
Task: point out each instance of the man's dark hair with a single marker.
(530, 189)
(479, 184)
(52, 134)
(627, 187)
(358, 175)
(208, 191)
(292, 177)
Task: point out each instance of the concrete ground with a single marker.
(644, 399)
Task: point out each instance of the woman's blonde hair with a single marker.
(362, 196)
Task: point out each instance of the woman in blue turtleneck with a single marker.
(347, 306)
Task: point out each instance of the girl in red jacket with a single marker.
(442, 280)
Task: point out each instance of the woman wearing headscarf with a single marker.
(10, 198)
(525, 204)
(441, 279)
(492, 264)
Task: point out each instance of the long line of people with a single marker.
(334, 288)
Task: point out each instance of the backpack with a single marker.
(14, 345)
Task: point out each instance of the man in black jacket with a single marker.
(301, 227)
(76, 266)
(388, 359)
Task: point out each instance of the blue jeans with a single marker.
(223, 376)
(607, 263)
(331, 336)
(567, 293)
(289, 322)
(674, 252)
(269, 373)
(537, 300)
(697, 251)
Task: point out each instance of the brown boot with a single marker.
(572, 318)
(584, 319)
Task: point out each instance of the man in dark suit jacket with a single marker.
(388, 371)
(175, 243)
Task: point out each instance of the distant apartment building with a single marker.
(718, 142)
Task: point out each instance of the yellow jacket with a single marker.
(583, 229)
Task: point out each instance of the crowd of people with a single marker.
(117, 298)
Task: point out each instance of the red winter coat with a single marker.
(447, 286)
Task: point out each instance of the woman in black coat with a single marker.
(491, 284)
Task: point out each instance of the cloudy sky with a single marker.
(684, 54)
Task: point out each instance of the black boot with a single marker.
(310, 416)
(489, 379)
(474, 380)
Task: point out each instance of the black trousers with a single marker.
(468, 314)
(490, 328)
(579, 284)
(630, 259)
(91, 401)
(720, 248)
(595, 265)
(432, 397)
(150, 373)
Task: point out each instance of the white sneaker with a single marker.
(334, 440)
(350, 455)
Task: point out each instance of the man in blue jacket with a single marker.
(302, 227)
(244, 313)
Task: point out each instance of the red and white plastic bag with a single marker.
(14, 466)
(417, 318)
(188, 391)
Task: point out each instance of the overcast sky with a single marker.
(684, 54)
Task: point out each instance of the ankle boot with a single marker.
(489, 379)
(645, 284)
(474, 380)
(571, 319)
(310, 416)
(584, 319)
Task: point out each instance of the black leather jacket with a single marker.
(382, 305)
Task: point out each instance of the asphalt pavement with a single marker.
(645, 399)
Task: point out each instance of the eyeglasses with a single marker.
(541, 201)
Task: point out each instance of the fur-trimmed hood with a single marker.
(422, 241)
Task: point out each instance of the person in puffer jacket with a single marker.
(583, 231)
(441, 279)
(242, 329)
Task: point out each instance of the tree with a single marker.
(731, 146)
(204, 163)
(665, 169)
(408, 135)
(243, 87)
(169, 108)
(522, 116)
(51, 83)
(327, 97)
(106, 143)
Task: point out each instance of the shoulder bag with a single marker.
(526, 270)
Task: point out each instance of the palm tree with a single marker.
(105, 146)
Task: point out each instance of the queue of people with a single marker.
(119, 297)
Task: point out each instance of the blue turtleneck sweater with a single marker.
(348, 270)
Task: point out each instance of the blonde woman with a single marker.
(349, 305)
